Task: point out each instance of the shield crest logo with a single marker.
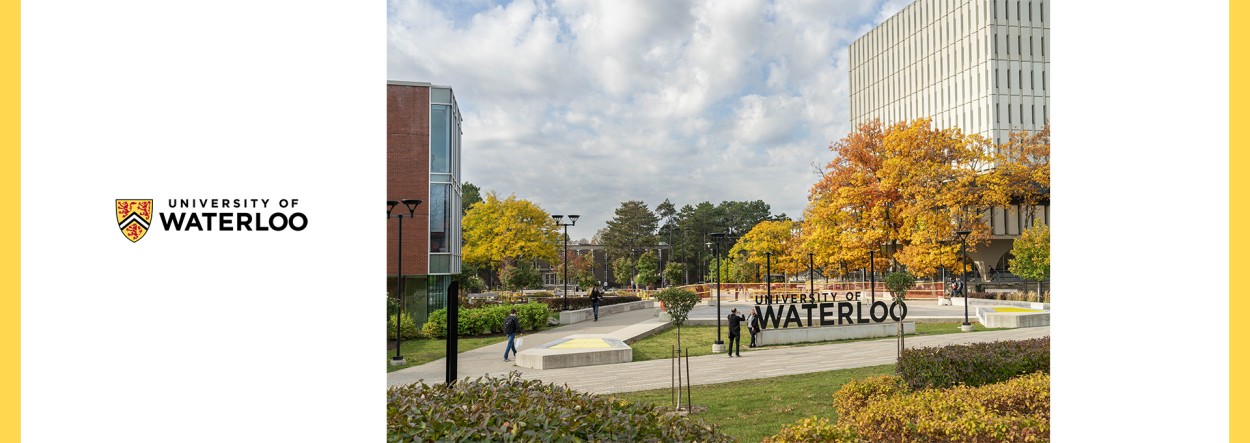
(134, 217)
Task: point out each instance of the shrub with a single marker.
(512, 409)
(557, 303)
(899, 283)
(814, 429)
(854, 395)
(407, 330)
(1017, 410)
(487, 320)
(973, 364)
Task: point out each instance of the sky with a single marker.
(579, 105)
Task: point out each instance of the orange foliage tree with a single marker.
(781, 238)
(909, 186)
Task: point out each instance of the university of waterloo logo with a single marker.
(134, 217)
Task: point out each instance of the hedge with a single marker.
(557, 303)
(974, 364)
(1017, 410)
(881, 409)
(487, 320)
(511, 409)
(813, 429)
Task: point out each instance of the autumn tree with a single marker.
(504, 231)
(909, 186)
(1031, 252)
(581, 270)
(780, 238)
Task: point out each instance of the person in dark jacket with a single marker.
(753, 324)
(511, 327)
(735, 333)
(595, 298)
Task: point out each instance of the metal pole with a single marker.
(811, 279)
(453, 334)
(872, 277)
(768, 260)
(399, 286)
(716, 250)
(566, 265)
(689, 398)
(964, 270)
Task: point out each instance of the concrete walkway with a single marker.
(655, 374)
(763, 363)
(489, 359)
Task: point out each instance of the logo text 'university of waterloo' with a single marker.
(134, 218)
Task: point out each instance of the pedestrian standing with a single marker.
(753, 324)
(511, 327)
(735, 332)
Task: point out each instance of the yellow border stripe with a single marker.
(10, 224)
(1237, 139)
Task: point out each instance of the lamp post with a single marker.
(560, 222)
(716, 239)
(768, 270)
(811, 279)
(659, 261)
(872, 276)
(411, 204)
(963, 270)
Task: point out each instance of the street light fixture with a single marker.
(411, 204)
(716, 239)
(659, 261)
(559, 222)
(768, 263)
(963, 240)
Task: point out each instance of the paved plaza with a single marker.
(708, 369)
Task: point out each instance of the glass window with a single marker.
(1043, 80)
(1030, 45)
(440, 95)
(1019, 45)
(1009, 114)
(1032, 85)
(1043, 46)
(440, 138)
(1017, 11)
(439, 216)
(1041, 12)
(1008, 78)
(1030, 4)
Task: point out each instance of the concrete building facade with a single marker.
(979, 65)
(423, 162)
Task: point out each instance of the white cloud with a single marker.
(580, 105)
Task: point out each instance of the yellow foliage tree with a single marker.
(498, 231)
(909, 186)
(781, 238)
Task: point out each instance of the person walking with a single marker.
(511, 327)
(595, 298)
(753, 324)
(735, 332)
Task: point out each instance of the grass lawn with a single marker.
(424, 350)
(699, 339)
(753, 409)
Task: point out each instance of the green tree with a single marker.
(648, 270)
(898, 283)
(519, 274)
(623, 269)
(677, 303)
(632, 227)
(469, 194)
(1032, 255)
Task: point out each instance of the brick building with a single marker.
(423, 162)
